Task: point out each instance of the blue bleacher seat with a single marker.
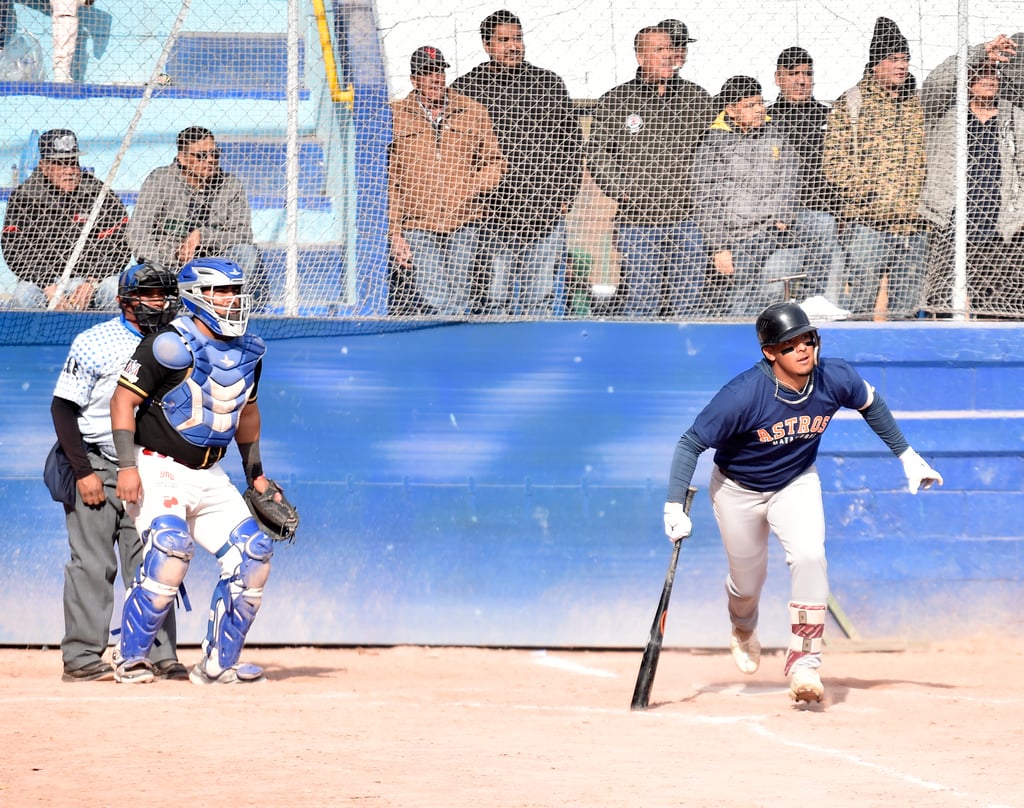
(246, 64)
(232, 80)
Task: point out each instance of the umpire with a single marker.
(96, 520)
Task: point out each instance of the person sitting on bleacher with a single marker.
(192, 208)
(43, 223)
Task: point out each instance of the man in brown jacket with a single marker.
(443, 156)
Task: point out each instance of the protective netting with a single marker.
(544, 162)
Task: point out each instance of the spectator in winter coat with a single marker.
(43, 223)
(640, 152)
(803, 120)
(875, 157)
(995, 185)
(523, 237)
(192, 208)
(745, 190)
(443, 158)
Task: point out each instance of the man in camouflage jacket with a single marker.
(875, 157)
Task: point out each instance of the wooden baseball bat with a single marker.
(649, 663)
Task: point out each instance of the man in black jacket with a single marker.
(802, 118)
(641, 149)
(539, 133)
(44, 221)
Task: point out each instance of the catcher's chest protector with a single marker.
(205, 407)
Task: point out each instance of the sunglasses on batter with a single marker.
(810, 342)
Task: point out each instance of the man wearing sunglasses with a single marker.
(43, 223)
(192, 208)
(765, 426)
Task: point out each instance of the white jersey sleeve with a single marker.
(90, 374)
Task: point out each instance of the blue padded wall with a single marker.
(502, 484)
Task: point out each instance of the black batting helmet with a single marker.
(780, 322)
(148, 277)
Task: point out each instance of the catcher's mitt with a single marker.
(276, 516)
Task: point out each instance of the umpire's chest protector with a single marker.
(204, 408)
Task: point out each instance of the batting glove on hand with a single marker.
(677, 523)
(919, 473)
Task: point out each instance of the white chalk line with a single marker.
(542, 658)
(758, 728)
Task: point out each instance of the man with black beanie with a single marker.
(875, 156)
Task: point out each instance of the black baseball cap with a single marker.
(58, 144)
(793, 57)
(678, 31)
(427, 60)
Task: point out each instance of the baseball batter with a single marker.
(194, 383)
(765, 426)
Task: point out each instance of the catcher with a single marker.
(194, 383)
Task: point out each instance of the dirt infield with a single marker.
(446, 727)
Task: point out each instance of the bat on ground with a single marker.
(649, 663)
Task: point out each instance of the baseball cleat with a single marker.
(238, 675)
(805, 685)
(746, 650)
(134, 671)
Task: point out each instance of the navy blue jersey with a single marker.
(762, 442)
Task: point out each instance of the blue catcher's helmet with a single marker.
(197, 280)
(143, 278)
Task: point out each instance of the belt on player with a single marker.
(213, 456)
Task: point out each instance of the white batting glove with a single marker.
(919, 473)
(677, 523)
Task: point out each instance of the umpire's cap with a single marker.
(780, 322)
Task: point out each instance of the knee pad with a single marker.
(237, 597)
(257, 548)
(156, 584)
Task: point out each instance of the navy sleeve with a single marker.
(684, 463)
(881, 420)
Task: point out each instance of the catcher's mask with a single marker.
(199, 278)
(135, 282)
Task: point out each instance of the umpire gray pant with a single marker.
(98, 536)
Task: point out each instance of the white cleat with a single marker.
(805, 685)
(237, 675)
(746, 650)
(820, 307)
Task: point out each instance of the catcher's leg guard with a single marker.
(237, 597)
(156, 585)
(807, 622)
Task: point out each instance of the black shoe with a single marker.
(92, 672)
(170, 669)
